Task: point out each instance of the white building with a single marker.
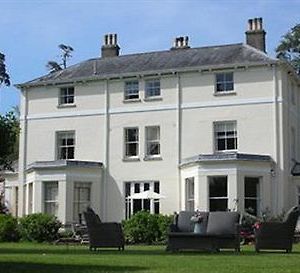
(212, 128)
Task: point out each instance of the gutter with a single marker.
(118, 76)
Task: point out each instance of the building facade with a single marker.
(209, 128)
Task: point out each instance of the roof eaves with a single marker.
(145, 73)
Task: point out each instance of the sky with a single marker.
(31, 30)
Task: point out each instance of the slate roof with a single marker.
(157, 62)
(225, 157)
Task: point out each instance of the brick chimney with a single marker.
(181, 43)
(255, 35)
(110, 47)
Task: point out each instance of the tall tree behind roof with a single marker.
(4, 77)
(66, 51)
(289, 47)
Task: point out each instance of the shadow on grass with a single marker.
(18, 267)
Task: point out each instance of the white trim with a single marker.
(167, 107)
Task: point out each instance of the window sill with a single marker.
(224, 93)
(152, 158)
(154, 98)
(131, 159)
(71, 105)
(132, 100)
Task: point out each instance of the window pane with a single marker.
(152, 88)
(225, 135)
(218, 186)
(218, 204)
(146, 186)
(251, 187)
(224, 82)
(156, 187)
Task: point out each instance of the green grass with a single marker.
(44, 258)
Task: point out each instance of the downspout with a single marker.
(276, 138)
(106, 149)
(23, 156)
(179, 135)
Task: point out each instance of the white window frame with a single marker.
(66, 94)
(217, 197)
(227, 128)
(49, 202)
(131, 90)
(78, 202)
(152, 88)
(127, 142)
(257, 198)
(59, 136)
(129, 202)
(190, 193)
(224, 82)
(149, 142)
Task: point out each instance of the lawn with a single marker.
(44, 258)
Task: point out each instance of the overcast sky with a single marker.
(31, 30)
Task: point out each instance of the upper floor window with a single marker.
(131, 142)
(225, 135)
(224, 82)
(66, 95)
(66, 145)
(152, 141)
(152, 88)
(131, 90)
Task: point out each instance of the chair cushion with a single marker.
(184, 222)
(222, 223)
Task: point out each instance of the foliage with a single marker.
(8, 228)
(9, 132)
(66, 51)
(144, 227)
(39, 227)
(4, 77)
(289, 47)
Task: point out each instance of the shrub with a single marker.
(8, 228)
(144, 227)
(39, 227)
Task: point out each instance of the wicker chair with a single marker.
(103, 234)
(277, 235)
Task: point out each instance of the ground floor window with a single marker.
(81, 200)
(30, 198)
(298, 195)
(190, 194)
(134, 205)
(252, 195)
(51, 197)
(218, 193)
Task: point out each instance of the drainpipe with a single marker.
(179, 134)
(277, 148)
(106, 149)
(23, 155)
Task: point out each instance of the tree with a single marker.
(9, 140)
(66, 51)
(289, 47)
(4, 77)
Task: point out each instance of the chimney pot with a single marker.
(255, 35)
(181, 42)
(110, 47)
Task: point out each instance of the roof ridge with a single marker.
(167, 50)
